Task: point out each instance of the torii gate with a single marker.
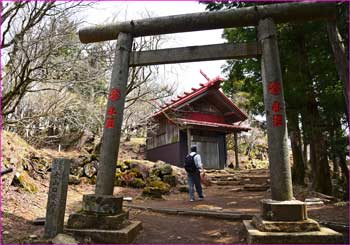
(281, 207)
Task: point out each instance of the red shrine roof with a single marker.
(232, 113)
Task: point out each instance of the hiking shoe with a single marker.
(200, 198)
(191, 200)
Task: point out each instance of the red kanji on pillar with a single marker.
(111, 111)
(277, 120)
(276, 106)
(110, 123)
(274, 88)
(114, 94)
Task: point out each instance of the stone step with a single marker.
(206, 213)
(252, 187)
(223, 182)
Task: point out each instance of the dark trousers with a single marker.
(194, 179)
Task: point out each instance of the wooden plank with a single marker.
(248, 16)
(195, 53)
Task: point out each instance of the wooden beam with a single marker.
(195, 53)
(249, 16)
(188, 131)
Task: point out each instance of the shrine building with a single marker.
(202, 117)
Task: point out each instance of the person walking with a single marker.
(193, 166)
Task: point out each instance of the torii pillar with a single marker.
(103, 218)
(283, 219)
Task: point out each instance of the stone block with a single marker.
(323, 236)
(93, 221)
(57, 197)
(285, 226)
(102, 204)
(124, 235)
(293, 210)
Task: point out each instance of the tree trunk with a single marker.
(321, 179)
(298, 169)
(345, 171)
(341, 61)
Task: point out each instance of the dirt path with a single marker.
(160, 228)
(19, 208)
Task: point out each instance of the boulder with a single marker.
(137, 183)
(64, 239)
(170, 179)
(164, 188)
(85, 180)
(25, 181)
(155, 172)
(152, 192)
(89, 169)
(165, 169)
(183, 188)
(77, 171)
(73, 180)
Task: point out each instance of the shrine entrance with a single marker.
(281, 210)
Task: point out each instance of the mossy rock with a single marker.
(85, 180)
(137, 183)
(183, 188)
(26, 182)
(152, 178)
(93, 180)
(163, 187)
(93, 157)
(170, 179)
(122, 166)
(152, 192)
(137, 172)
(117, 182)
(73, 180)
(155, 172)
(165, 169)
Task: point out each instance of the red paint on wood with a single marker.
(277, 120)
(114, 94)
(198, 116)
(111, 111)
(276, 106)
(110, 123)
(274, 88)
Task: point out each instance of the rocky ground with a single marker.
(159, 186)
(20, 208)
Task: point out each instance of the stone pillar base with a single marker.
(102, 204)
(293, 210)
(286, 222)
(285, 226)
(102, 221)
(323, 236)
(100, 236)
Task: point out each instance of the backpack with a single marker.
(190, 165)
